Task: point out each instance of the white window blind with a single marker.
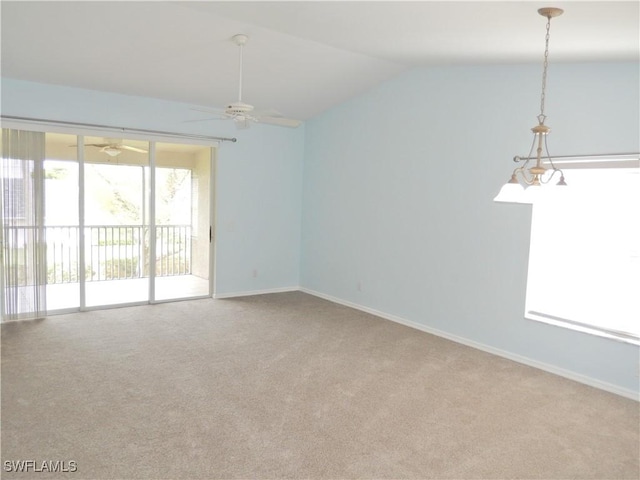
(23, 272)
(584, 260)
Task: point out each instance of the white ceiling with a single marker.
(302, 57)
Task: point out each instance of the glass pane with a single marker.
(583, 264)
(116, 221)
(182, 220)
(61, 221)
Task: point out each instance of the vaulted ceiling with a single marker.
(302, 57)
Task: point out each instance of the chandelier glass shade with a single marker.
(537, 167)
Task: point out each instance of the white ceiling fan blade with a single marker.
(132, 149)
(213, 111)
(274, 117)
(280, 121)
(215, 114)
(205, 119)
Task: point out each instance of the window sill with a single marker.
(578, 327)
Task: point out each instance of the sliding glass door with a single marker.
(116, 221)
(125, 221)
(182, 221)
(62, 222)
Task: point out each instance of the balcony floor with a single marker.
(114, 292)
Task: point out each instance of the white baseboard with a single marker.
(256, 292)
(486, 348)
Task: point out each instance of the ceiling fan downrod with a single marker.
(240, 40)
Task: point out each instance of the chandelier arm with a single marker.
(533, 147)
(530, 155)
(524, 174)
(546, 148)
(544, 182)
(553, 172)
(553, 166)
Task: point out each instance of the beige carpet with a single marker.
(292, 386)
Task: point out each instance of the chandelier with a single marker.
(533, 175)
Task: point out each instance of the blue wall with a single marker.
(259, 210)
(385, 201)
(259, 178)
(398, 211)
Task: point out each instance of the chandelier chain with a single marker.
(542, 116)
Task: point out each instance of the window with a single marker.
(584, 260)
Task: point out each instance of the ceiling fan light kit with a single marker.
(533, 177)
(111, 151)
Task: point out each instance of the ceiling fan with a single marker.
(242, 113)
(113, 147)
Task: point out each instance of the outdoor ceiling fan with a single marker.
(113, 147)
(242, 113)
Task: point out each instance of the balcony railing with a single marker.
(112, 252)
